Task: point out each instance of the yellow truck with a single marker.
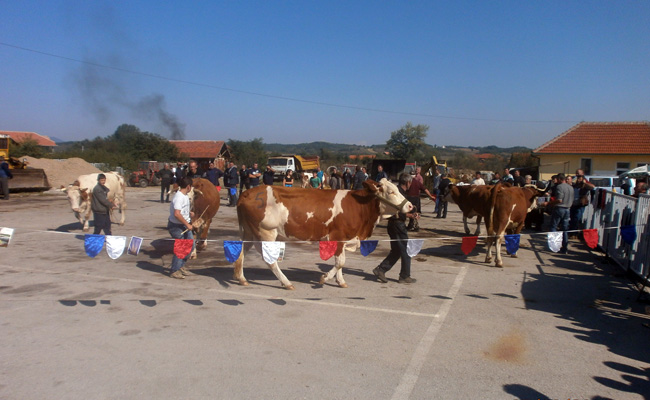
(24, 177)
(294, 162)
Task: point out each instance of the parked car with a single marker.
(612, 183)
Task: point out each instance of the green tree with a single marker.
(29, 147)
(407, 142)
(249, 152)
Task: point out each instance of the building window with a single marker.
(642, 164)
(585, 165)
(622, 167)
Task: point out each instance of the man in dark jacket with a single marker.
(166, 177)
(233, 180)
(101, 206)
(5, 175)
(267, 177)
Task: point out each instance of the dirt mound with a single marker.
(62, 172)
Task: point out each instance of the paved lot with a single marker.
(74, 327)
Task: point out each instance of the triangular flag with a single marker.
(628, 233)
(134, 245)
(271, 251)
(115, 246)
(512, 243)
(183, 247)
(93, 244)
(469, 242)
(591, 237)
(368, 246)
(232, 249)
(5, 236)
(327, 249)
(555, 241)
(414, 246)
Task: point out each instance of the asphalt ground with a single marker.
(75, 327)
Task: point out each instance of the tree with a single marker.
(249, 152)
(407, 142)
(29, 147)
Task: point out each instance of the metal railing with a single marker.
(608, 212)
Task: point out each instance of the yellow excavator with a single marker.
(434, 164)
(24, 177)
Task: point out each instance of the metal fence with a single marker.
(608, 212)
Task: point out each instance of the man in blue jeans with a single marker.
(179, 225)
(561, 214)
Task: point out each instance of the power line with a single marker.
(270, 96)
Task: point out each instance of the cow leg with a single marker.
(477, 232)
(498, 261)
(122, 212)
(465, 224)
(86, 221)
(337, 270)
(239, 265)
(488, 253)
(278, 274)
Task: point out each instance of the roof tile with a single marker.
(601, 138)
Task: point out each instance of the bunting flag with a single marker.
(5, 236)
(368, 246)
(115, 246)
(628, 233)
(233, 191)
(512, 243)
(183, 247)
(413, 247)
(93, 244)
(232, 250)
(327, 249)
(591, 237)
(469, 242)
(272, 251)
(555, 241)
(134, 245)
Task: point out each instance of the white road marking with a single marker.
(412, 373)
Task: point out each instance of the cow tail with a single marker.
(493, 202)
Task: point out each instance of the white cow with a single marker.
(80, 193)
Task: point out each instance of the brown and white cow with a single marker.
(205, 201)
(80, 194)
(508, 209)
(346, 216)
(473, 201)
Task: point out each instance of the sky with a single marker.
(477, 73)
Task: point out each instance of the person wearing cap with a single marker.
(101, 206)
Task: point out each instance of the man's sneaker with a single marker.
(379, 273)
(177, 274)
(407, 280)
(185, 271)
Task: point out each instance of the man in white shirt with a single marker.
(478, 180)
(179, 225)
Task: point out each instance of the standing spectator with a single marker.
(320, 175)
(436, 187)
(244, 179)
(347, 179)
(442, 206)
(478, 179)
(518, 179)
(359, 178)
(560, 214)
(5, 175)
(399, 240)
(569, 180)
(380, 173)
(581, 198)
(414, 190)
(233, 180)
(178, 172)
(288, 179)
(335, 179)
(640, 188)
(193, 171)
(254, 175)
(213, 174)
(507, 177)
(166, 177)
(314, 181)
(528, 180)
(101, 206)
(178, 225)
(418, 175)
(267, 178)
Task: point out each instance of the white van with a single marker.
(612, 183)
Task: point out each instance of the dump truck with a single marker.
(25, 178)
(294, 162)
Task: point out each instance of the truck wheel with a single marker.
(143, 183)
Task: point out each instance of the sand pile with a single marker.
(62, 172)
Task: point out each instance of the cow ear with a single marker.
(371, 185)
(84, 190)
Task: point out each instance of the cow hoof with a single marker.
(322, 279)
(243, 283)
(488, 259)
(343, 285)
(201, 246)
(193, 257)
(290, 287)
(121, 223)
(514, 255)
(86, 229)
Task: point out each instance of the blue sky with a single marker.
(504, 73)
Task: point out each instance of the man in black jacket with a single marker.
(101, 206)
(166, 177)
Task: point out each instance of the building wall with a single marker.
(551, 164)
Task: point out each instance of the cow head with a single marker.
(391, 201)
(79, 198)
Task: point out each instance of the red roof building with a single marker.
(204, 151)
(20, 137)
(599, 148)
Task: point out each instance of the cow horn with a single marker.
(198, 191)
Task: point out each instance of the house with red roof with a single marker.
(204, 151)
(21, 137)
(599, 148)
